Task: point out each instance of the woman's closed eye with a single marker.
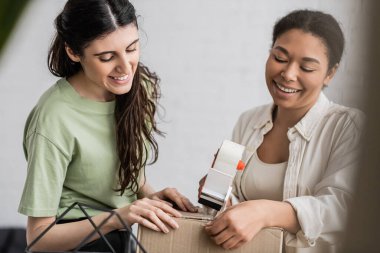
(279, 59)
(307, 69)
(133, 46)
(130, 50)
(106, 57)
(106, 60)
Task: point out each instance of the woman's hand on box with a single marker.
(238, 224)
(171, 195)
(150, 213)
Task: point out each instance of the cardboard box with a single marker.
(191, 238)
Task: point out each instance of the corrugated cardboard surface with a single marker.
(191, 238)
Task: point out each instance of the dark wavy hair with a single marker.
(79, 23)
(320, 24)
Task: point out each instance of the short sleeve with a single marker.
(47, 166)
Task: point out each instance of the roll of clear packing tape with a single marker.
(220, 176)
(228, 157)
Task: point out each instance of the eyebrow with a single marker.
(112, 52)
(307, 59)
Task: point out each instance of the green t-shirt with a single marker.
(70, 146)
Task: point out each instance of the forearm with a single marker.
(62, 237)
(281, 214)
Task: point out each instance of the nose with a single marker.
(289, 73)
(124, 65)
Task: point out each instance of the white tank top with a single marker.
(263, 180)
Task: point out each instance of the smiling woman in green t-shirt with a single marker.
(89, 137)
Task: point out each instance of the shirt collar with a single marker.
(310, 121)
(306, 125)
(265, 117)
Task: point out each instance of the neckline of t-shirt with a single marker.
(269, 165)
(83, 103)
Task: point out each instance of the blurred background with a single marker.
(210, 56)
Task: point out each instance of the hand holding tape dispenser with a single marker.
(217, 188)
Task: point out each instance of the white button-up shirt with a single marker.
(319, 180)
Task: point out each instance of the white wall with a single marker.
(210, 56)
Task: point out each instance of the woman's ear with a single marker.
(74, 57)
(330, 74)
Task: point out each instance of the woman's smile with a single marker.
(120, 80)
(284, 88)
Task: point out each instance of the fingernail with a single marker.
(175, 224)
